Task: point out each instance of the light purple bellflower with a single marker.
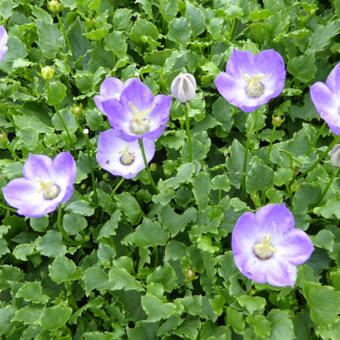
(121, 157)
(3, 42)
(137, 113)
(325, 97)
(252, 80)
(46, 184)
(267, 248)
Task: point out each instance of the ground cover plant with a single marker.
(169, 169)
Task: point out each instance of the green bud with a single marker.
(153, 167)
(47, 72)
(54, 6)
(3, 136)
(190, 274)
(277, 121)
(77, 110)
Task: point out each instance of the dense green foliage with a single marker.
(132, 264)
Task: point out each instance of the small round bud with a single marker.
(77, 110)
(47, 72)
(183, 87)
(153, 166)
(190, 274)
(277, 121)
(3, 137)
(54, 6)
(335, 155)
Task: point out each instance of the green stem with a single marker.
(84, 198)
(116, 187)
(65, 127)
(270, 145)
(187, 124)
(94, 186)
(316, 139)
(141, 144)
(66, 38)
(7, 208)
(13, 153)
(327, 186)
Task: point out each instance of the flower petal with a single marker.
(240, 62)
(119, 116)
(280, 273)
(333, 80)
(38, 166)
(296, 247)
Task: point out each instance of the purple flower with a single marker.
(325, 97)
(138, 113)
(267, 247)
(46, 183)
(121, 157)
(252, 80)
(3, 42)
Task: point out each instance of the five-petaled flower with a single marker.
(121, 157)
(46, 184)
(137, 113)
(325, 97)
(3, 42)
(267, 248)
(252, 80)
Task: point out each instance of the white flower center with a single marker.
(49, 189)
(127, 158)
(254, 86)
(140, 124)
(264, 249)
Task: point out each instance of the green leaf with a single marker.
(63, 269)
(49, 38)
(39, 224)
(282, 325)
(29, 315)
(55, 317)
(96, 278)
(252, 303)
(179, 31)
(56, 92)
(204, 243)
(235, 163)
(260, 177)
(260, 324)
(121, 19)
(109, 228)
(201, 190)
(80, 207)
(8, 274)
(323, 302)
(32, 291)
(195, 16)
(3, 247)
(6, 8)
(156, 309)
(29, 137)
(148, 234)
(6, 315)
(21, 251)
(324, 239)
(166, 276)
(302, 67)
(51, 244)
(176, 223)
(116, 43)
(16, 49)
(306, 194)
(228, 267)
(121, 279)
(332, 208)
(169, 9)
(235, 318)
(143, 28)
(130, 207)
(74, 224)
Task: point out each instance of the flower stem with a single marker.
(7, 208)
(69, 143)
(66, 38)
(141, 144)
(316, 139)
(187, 124)
(327, 187)
(13, 153)
(94, 186)
(270, 145)
(84, 198)
(116, 187)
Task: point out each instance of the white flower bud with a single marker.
(183, 87)
(335, 155)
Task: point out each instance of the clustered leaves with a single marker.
(122, 261)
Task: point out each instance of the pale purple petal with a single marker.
(3, 42)
(240, 62)
(280, 274)
(110, 88)
(63, 173)
(38, 166)
(110, 150)
(295, 247)
(333, 80)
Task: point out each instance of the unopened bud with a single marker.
(335, 155)
(190, 274)
(54, 6)
(77, 110)
(47, 72)
(183, 87)
(153, 166)
(277, 121)
(3, 137)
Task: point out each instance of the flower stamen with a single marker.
(127, 158)
(50, 190)
(254, 86)
(140, 124)
(264, 249)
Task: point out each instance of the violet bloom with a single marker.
(325, 97)
(252, 80)
(121, 157)
(267, 247)
(3, 42)
(46, 184)
(138, 113)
